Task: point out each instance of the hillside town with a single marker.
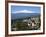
(32, 23)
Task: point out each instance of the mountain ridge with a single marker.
(23, 15)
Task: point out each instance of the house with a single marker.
(30, 21)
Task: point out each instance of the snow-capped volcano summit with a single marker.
(24, 11)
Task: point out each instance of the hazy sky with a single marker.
(25, 9)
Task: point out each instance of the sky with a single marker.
(25, 9)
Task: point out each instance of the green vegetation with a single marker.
(20, 25)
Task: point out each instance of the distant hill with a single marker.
(23, 15)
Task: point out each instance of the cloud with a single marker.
(24, 11)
